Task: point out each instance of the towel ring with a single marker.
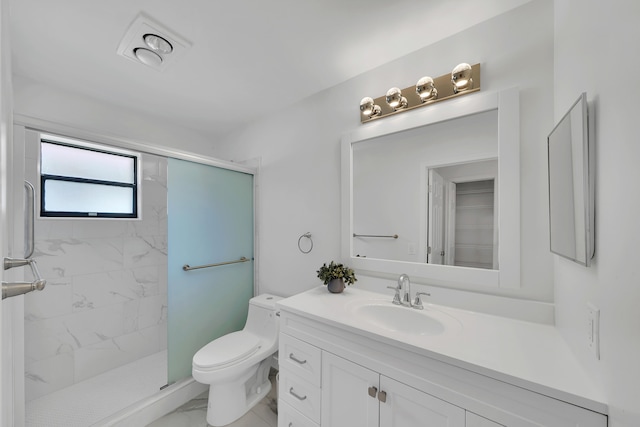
(308, 236)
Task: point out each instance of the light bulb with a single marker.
(157, 43)
(395, 98)
(461, 77)
(368, 107)
(147, 57)
(426, 89)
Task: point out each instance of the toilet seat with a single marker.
(226, 350)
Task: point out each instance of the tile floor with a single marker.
(194, 414)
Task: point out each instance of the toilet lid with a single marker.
(226, 350)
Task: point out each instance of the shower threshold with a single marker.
(89, 402)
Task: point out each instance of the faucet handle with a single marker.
(396, 297)
(418, 301)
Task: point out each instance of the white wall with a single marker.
(596, 50)
(82, 112)
(299, 147)
(6, 103)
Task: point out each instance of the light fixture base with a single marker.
(445, 91)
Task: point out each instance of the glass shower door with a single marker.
(210, 221)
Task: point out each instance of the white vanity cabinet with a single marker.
(299, 383)
(333, 375)
(355, 396)
(351, 395)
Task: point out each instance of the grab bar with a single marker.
(29, 223)
(187, 267)
(395, 236)
(13, 289)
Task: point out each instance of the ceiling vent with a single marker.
(150, 43)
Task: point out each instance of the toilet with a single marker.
(236, 365)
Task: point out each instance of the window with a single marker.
(86, 180)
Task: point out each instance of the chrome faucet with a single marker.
(404, 285)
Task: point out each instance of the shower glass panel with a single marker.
(210, 217)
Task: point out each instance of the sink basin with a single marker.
(406, 320)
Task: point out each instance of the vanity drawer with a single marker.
(289, 417)
(300, 358)
(299, 394)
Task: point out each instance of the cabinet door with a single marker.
(407, 407)
(346, 398)
(474, 420)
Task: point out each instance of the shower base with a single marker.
(112, 398)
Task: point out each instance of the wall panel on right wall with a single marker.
(596, 51)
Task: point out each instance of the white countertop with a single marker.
(529, 355)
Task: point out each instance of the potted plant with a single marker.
(335, 276)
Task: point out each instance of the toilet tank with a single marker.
(262, 319)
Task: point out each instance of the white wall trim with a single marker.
(508, 275)
(128, 143)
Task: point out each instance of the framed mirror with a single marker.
(571, 189)
(436, 193)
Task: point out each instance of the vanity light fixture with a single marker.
(395, 99)
(368, 108)
(463, 80)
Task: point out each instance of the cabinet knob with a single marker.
(373, 391)
(382, 396)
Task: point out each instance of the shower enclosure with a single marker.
(120, 318)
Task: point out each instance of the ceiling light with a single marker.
(148, 42)
(157, 43)
(147, 57)
(461, 77)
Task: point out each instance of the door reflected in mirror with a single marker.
(461, 225)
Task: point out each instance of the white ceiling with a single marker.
(241, 49)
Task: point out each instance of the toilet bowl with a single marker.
(236, 365)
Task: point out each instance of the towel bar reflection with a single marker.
(187, 267)
(395, 236)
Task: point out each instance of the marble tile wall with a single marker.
(105, 303)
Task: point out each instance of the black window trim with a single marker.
(64, 214)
